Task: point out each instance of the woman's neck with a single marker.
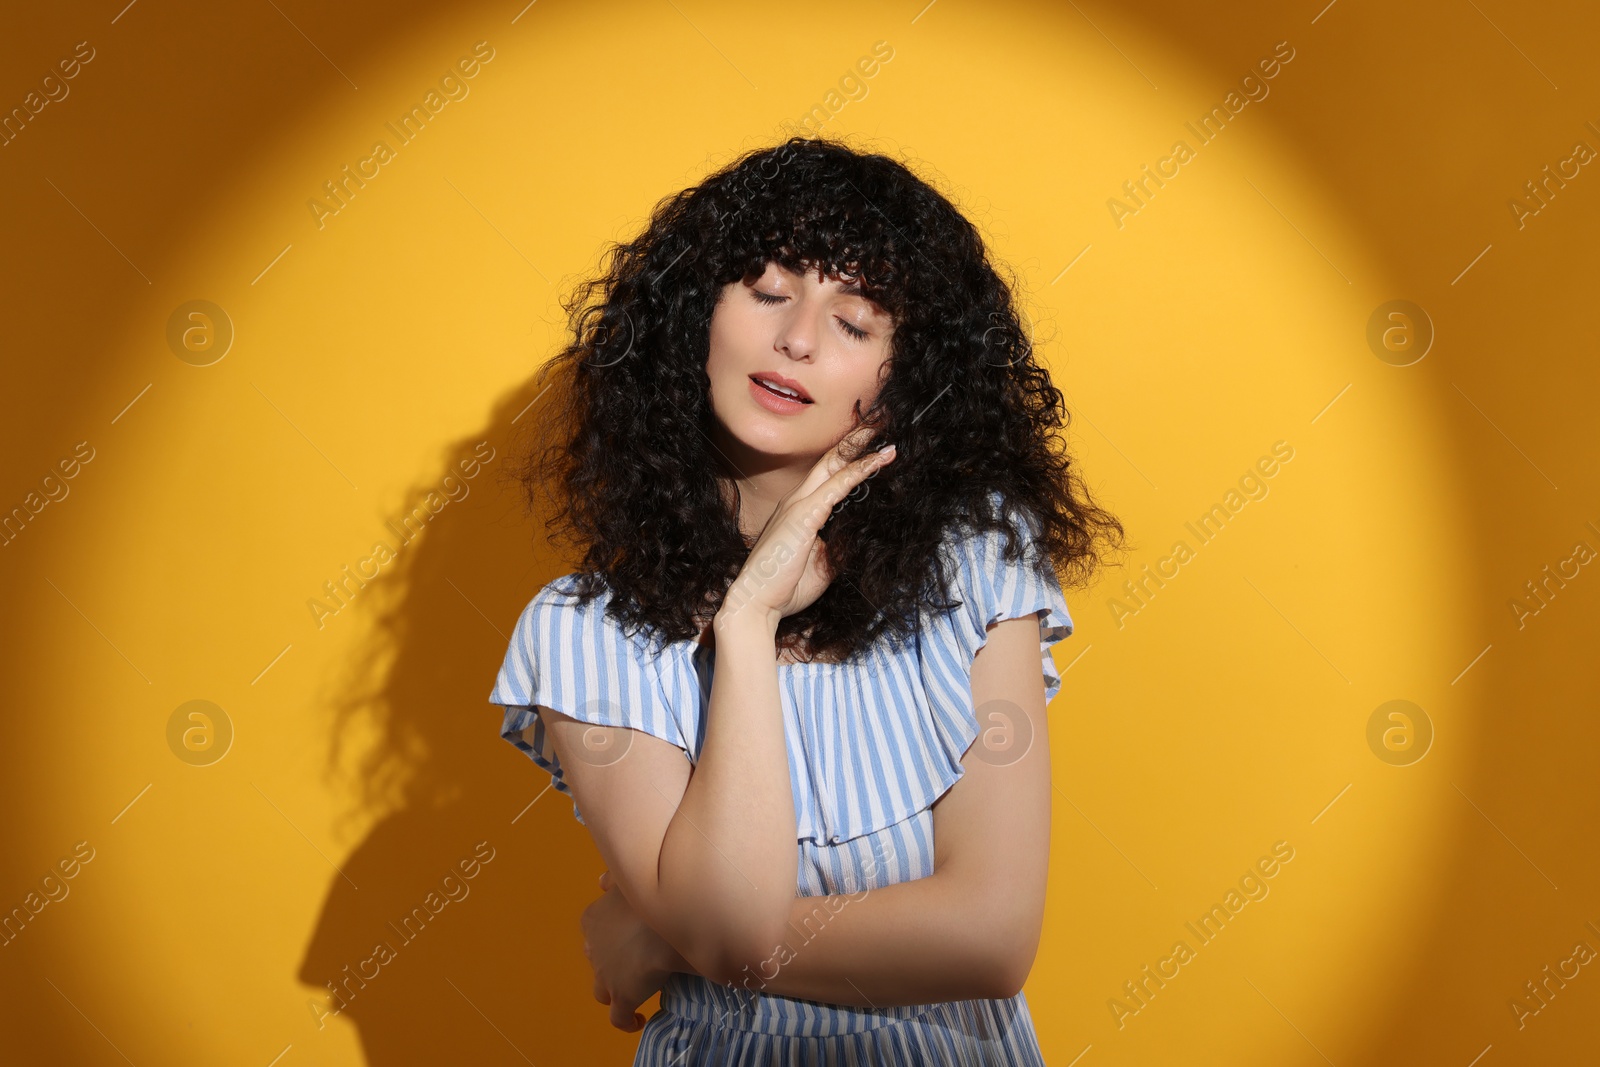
(754, 482)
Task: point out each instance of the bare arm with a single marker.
(728, 858)
(971, 929)
(706, 855)
(708, 860)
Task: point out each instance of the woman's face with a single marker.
(815, 336)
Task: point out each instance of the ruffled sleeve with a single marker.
(993, 588)
(888, 736)
(990, 588)
(571, 658)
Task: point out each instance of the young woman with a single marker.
(798, 687)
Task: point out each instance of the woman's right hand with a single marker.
(631, 962)
(787, 568)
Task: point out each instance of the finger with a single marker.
(842, 452)
(605, 879)
(839, 461)
(819, 504)
(850, 445)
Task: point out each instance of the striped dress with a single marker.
(872, 744)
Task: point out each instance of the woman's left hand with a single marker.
(630, 960)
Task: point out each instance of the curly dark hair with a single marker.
(626, 468)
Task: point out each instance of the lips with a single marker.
(796, 390)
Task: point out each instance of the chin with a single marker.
(759, 436)
(779, 446)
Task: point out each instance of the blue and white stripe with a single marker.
(872, 744)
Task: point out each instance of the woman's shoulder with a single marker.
(576, 614)
(1005, 541)
(1001, 570)
(565, 600)
(568, 590)
(563, 625)
(568, 654)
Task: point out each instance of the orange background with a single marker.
(376, 349)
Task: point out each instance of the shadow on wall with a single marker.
(452, 934)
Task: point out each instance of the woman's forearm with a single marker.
(924, 941)
(728, 860)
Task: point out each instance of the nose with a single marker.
(797, 338)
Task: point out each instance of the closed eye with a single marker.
(849, 329)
